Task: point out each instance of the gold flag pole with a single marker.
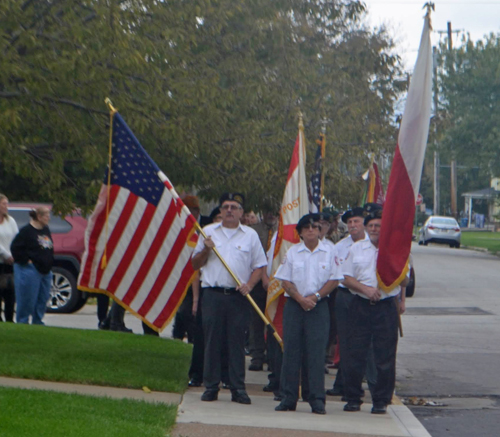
(112, 112)
(250, 298)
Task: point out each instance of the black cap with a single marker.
(235, 197)
(355, 212)
(306, 220)
(324, 216)
(333, 212)
(371, 207)
(375, 214)
(215, 212)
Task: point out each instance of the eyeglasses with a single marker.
(230, 207)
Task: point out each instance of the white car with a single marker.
(437, 229)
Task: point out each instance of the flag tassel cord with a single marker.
(250, 299)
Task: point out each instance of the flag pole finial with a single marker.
(110, 105)
(430, 6)
(301, 120)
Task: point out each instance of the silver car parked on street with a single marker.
(444, 230)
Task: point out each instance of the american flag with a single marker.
(316, 186)
(147, 241)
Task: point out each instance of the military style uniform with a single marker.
(369, 322)
(226, 311)
(306, 332)
(343, 299)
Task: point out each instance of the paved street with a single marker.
(451, 346)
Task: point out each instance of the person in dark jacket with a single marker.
(33, 253)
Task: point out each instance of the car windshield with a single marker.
(444, 221)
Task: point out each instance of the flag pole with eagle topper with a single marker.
(404, 182)
(140, 236)
(124, 198)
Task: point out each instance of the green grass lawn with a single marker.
(93, 357)
(487, 240)
(36, 413)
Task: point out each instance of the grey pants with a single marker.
(224, 317)
(305, 336)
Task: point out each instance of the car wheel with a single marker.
(64, 296)
(426, 243)
(457, 245)
(420, 242)
(410, 288)
(452, 245)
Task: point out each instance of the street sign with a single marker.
(420, 199)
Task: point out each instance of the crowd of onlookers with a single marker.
(26, 259)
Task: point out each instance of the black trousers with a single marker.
(274, 361)
(305, 336)
(377, 323)
(184, 322)
(257, 341)
(197, 357)
(343, 301)
(7, 294)
(225, 320)
(102, 306)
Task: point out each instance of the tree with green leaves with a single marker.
(469, 115)
(211, 88)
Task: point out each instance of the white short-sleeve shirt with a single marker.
(242, 252)
(343, 247)
(8, 230)
(309, 271)
(361, 264)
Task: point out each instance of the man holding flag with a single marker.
(375, 270)
(226, 311)
(295, 205)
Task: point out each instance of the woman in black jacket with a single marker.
(33, 252)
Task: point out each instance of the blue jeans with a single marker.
(32, 293)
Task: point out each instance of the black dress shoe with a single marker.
(318, 410)
(240, 396)
(210, 395)
(268, 388)
(104, 325)
(379, 409)
(256, 367)
(120, 328)
(352, 406)
(285, 407)
(334, 392)
(194, 383)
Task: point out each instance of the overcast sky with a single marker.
(404, 18)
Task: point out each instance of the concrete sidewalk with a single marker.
(225, 418)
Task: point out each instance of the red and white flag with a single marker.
(295, 204)
(406, 171)
(140, 237)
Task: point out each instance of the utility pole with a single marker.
(436, 152)
(453, 183)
